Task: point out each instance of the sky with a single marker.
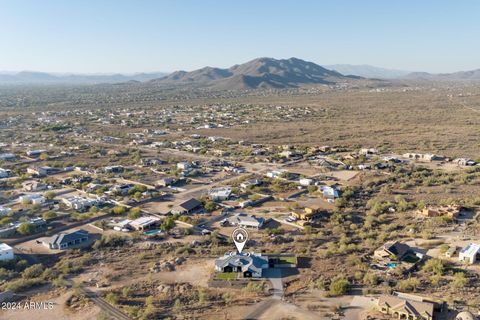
(110, 36)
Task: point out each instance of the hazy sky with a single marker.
(130, 36)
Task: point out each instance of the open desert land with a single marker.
(122, 207)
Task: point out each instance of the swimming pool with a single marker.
(152, 232)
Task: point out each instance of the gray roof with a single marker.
(62, 237)
(247, 261)
(190, 204)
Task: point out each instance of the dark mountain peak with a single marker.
(261, 72)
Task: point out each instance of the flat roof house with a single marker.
(249, 264)
(79, 203)
(7, 157)
(470, 253)
(4, 173)
(145, 223)
(32, 198)
(4, 211)
(6, 252)
(220, 194)
(64, 240)
(32, 185)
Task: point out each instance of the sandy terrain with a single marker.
(58, 312)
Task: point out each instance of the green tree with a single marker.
(33, 271)
(118, 210)
(434, 266)
(459, 280)
(49, 215)
(49, 195)
(134, 213)
(339, 286)
(26, 228)
(210, 206)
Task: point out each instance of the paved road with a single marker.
(275, 277)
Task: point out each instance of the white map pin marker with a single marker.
(240, 237)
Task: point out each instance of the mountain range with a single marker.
(455, 76)
(258, 73)
(31, 77)
(368, 71)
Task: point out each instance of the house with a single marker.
(464, 162)
(35, 153)
(275, 173)
(250, 183)
(32, 199)
(451, 251)
(65, 240)
(306, 182)
(38, 223)
(306, 214)
(287, 154)
(247, 221)
(32, 185)
(146, 162)
(184, 165)
(6, 252)
(4, 173)
(450, 211)
(41, 171)
(411, 308)
(4, 211)
(392, 249)
(165, 182)
(113, 169)
(470, 253)
(79, 203)
(220, 194)
(368, 151)
(7, 157)
(145, 223)
(121, 189)
(250, 265)
(188, 206)
(424, 156)
(330, 192)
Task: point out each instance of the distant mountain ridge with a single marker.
(368, 71)
(455, 76)
(257, 73)
(32, 77)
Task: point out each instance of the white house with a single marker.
(6, 252)
(275, 173)
(246, 221)
(4, 211)
(184, 166)
(79, 203)
(470, 254)
(4, 173)
(220, 194)
(32, 198)
(306, 182)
